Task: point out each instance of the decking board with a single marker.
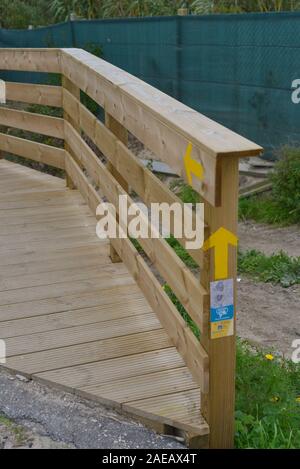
(72, 319)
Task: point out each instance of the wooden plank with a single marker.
(163, 124)
(101, 372)
(108, 278)
(116, 309)
(179, 410)
(53, 278)
(22, 187)
(91, 352)
(57, 224)
(80, 334)
(82, 258)
(177, 329)
(74, 91)
(79, 208)
(121, 134)
(222, 352)
(30, 218)
(32, 122)
(46, 95)
(40, 152)
(140, 387)
(31, 60)
(169, 265)
(99, 296)
(36, 199)
(50, 234)
(139, 178)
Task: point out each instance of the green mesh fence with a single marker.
(236, 69)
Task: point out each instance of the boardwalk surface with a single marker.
(72, 319)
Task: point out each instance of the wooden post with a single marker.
(75, 91)
(218, 406)
(183, 10)
(121, 132)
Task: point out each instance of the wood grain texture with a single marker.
(163, 124)
(175, 326)
(138, 177)
(33, 122)
(46, 95)
(71, 318)
(40, 152)
(31, 60)
(169, 265)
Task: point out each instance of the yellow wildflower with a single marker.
(298, 399)
(269, 357)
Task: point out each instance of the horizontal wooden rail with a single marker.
(46, 95)
(186, 287)
(163, 124)
(140, 179)
(31, 60)
(32, 122)
(167, 128)
(186, 343)
(40, 152)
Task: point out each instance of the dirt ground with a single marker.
(269, 315)
(268, 239)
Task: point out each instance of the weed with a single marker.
(278, 268)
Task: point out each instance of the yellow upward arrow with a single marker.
(192, 166)
(220, 240)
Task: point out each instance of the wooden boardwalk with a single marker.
(72, 319)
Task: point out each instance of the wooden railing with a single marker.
(166, 127)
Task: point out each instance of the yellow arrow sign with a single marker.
(220, 240)
(192, 166)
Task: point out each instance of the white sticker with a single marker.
(222, 308)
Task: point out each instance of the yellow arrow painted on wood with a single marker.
(192, 166)
(221, 240)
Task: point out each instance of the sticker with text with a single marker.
(222, 308)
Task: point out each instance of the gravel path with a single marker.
(41, 417)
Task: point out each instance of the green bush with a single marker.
(282, 205)
(286, 182)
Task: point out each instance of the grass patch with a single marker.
(263, 209)
(185, 192)
(278, 268)
(282, 206)
(268, 390)
(18, 432)
(182, 310)
(182, 253)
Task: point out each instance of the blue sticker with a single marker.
(222, 301)
(224, 313)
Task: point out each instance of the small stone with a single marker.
(22, 378)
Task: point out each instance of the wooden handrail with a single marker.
(166, 127)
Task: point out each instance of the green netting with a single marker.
(236, 69)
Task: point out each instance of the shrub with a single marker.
(286, 182)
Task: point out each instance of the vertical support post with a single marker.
(218, 406)
(68, 85)
(122, 134)
(183, 10)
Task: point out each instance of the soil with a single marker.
(269, 315)
(268, 239)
